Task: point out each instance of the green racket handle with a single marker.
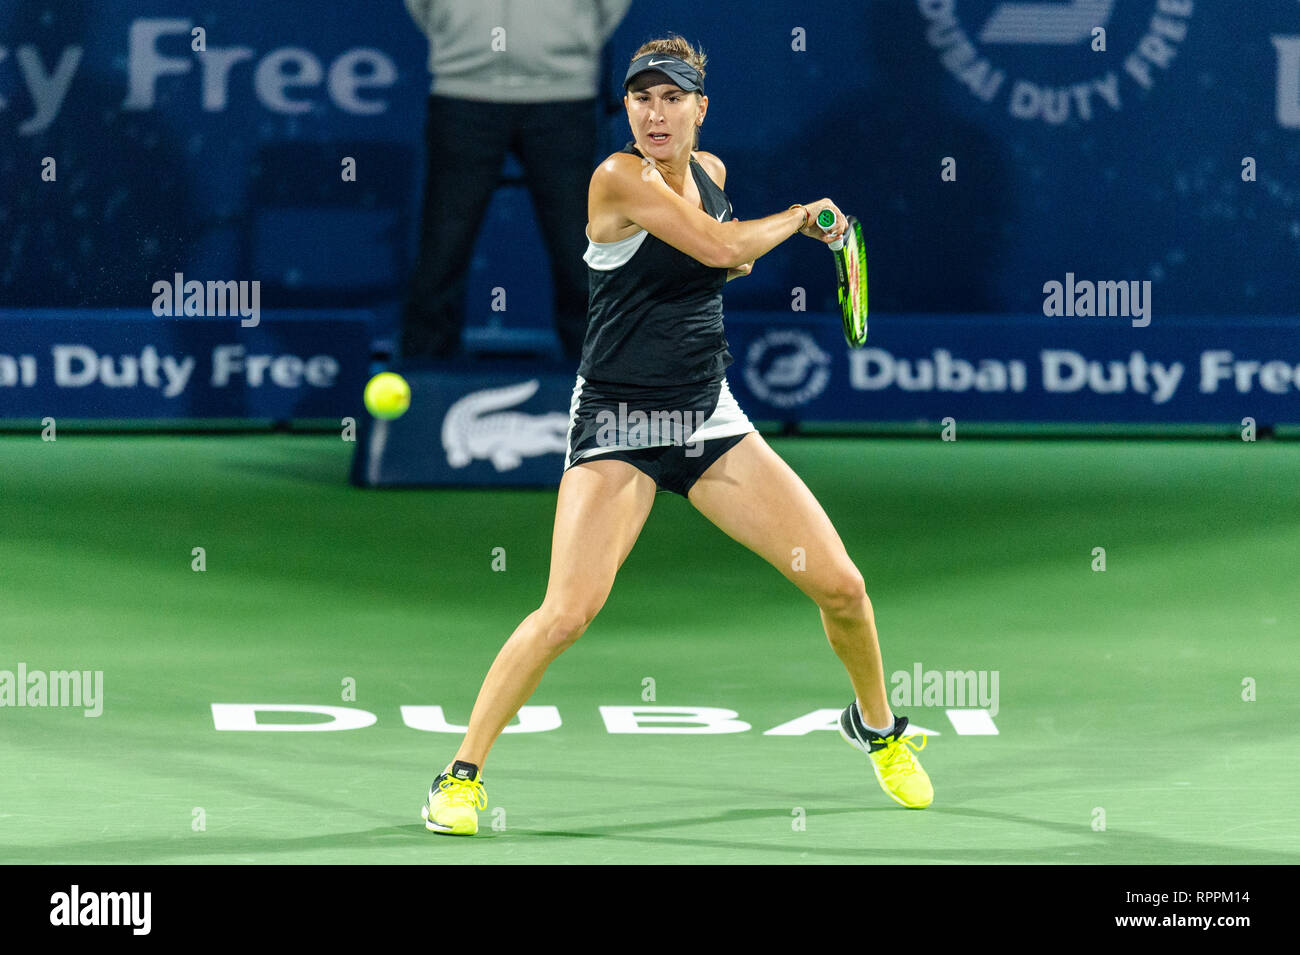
(826, 219)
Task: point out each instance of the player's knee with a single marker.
(561, 626)
(845, 595)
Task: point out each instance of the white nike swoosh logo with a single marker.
(658, 62)
(720, 215)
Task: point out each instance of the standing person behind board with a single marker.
(508, 75)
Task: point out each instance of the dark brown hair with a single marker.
(674, 45)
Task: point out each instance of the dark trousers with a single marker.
(466, 143)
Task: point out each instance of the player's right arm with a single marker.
(625, 188)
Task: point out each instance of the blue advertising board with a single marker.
(506, 425)
(1025, 368)
(131, 364)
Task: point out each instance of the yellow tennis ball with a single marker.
(387, 395)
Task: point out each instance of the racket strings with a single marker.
(853, 261)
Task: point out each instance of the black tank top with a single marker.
(655, 319)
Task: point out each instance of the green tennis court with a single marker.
(1126, 731)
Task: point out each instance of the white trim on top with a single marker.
(605, 256)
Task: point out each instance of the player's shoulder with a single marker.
(621, 161)
(616, 168)
(713, 166)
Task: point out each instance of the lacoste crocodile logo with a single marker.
(477, 429)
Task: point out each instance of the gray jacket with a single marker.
(516, 51)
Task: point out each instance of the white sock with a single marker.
(875, 729)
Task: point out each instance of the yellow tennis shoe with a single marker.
(892, 757)
(454, 800)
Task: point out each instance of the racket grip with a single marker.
(826, 219)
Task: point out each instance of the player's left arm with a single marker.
(718, 173)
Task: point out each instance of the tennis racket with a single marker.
(851, 271)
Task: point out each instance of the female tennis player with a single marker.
(651, 412)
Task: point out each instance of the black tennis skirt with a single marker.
(673, 434)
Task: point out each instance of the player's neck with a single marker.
(675, 170)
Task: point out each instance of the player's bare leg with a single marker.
(752, 495)
(600, 510)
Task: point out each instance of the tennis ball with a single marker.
(387, 395)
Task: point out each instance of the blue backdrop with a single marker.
(1125, 164)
